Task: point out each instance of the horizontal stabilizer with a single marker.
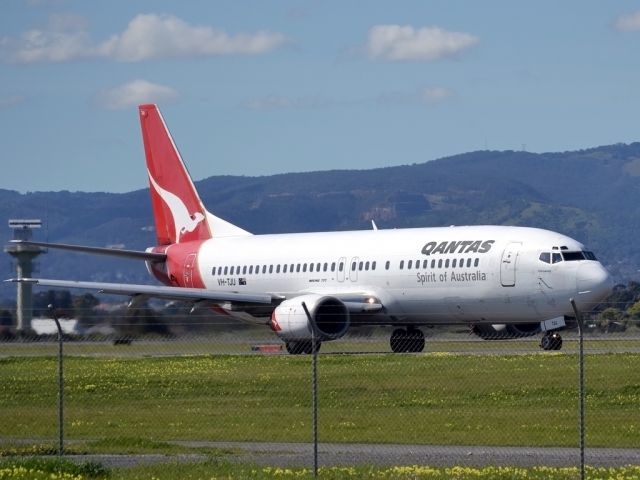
(114, 252)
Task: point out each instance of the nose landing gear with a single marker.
(551, 341)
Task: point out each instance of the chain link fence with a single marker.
(192, 383)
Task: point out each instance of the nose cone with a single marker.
(593, 283)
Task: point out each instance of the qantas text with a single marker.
(462, 246)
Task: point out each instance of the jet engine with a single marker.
(329, 319)
(503, 331)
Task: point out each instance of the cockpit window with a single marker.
(545, 257)
(556, 258)
(572, 256)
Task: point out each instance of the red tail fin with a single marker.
(178, 211)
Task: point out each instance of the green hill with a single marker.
(592, 195)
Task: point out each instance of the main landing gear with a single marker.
(409, 340)
(551, 341)
(301, 347)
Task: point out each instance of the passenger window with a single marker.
(250, 269)
(468, 262)
(373, 265)
(284, 268)
(298, 268)
(360, 265)
(425, 263)
(341, 266)
(333, 266)
(545, 257)
(318, 266)
(304, 267)
(232, 269)
(401, 264)
(264, 269)
(311, 267)
(366, 266)
(219, 270)
(270, 268)
(278, 268)
(213, 271)
(325, 267)
(409, 263)
(353, 266)
(454, 263)
(257, 269)
(433, 263)
(244, 270)
(292, 268)
(417, 264)
(440, 263)
(387, 264)
(226, 269)
(476, 262)
(556, 258)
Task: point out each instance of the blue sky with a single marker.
(256, 88)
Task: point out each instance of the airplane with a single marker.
(311, 288)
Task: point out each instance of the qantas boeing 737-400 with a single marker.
(514, 280)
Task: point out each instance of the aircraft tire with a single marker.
(415, 340)
(409, 340)
(551, 341)
(301, 347)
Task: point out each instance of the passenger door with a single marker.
(508, 265)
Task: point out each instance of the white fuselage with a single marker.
(483, 274)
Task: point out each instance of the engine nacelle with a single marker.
(502, 331)
(329, 316)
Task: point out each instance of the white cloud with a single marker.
(629, 22)
(161, 36)
(134, 93)
(148, 36)
(397, 43)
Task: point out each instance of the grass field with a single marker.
(215, 469)
(35, 469)
(437, 398)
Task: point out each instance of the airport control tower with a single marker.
(24, 255)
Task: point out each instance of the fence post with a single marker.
(314, 390)
(581, 381)
(53, 314)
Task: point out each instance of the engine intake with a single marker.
(329, 317)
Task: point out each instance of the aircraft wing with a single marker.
(168, 293)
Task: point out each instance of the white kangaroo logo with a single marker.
(183, 221)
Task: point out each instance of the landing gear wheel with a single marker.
(415, 340)
(551, 341)
(301, 347)
(397, 340)
(409, 340)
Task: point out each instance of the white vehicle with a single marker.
(512, 280)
